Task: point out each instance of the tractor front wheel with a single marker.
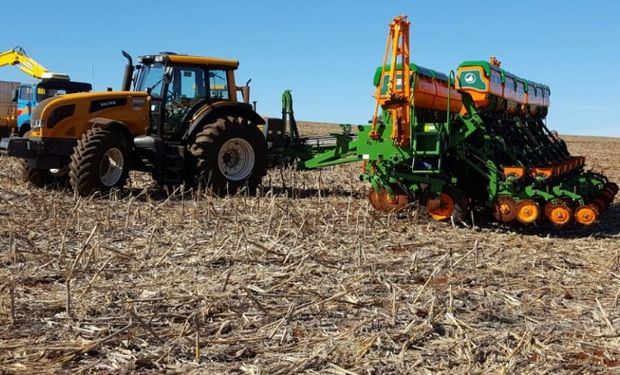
(100, 161)
(43, 178)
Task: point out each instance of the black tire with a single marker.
(92, 168)
(228, 154)
(5, 131)
(25, 128)
(41, 178)
(461, 204)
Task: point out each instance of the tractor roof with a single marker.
(189, 59)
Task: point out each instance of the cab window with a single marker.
(25, 93)
(43, 93)
(151, 79)
(187, 88)
(189, 83)
(218, 85)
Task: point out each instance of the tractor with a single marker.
(181, 122)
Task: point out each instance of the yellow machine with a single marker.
(18, 57)
(182, 123)
(27, 96)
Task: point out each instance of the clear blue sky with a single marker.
(326, 51)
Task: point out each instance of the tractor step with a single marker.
(164, 159)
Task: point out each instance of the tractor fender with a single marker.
(106, 123)
(208, 113)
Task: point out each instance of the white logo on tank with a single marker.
(470, 78)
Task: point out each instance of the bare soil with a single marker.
(303, 278)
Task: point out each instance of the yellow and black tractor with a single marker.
(181, 122)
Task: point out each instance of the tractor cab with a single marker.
(180, 86)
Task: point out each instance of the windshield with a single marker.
(151, 77)
(44, 93)
(48, 89)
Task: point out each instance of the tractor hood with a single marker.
(67, 115)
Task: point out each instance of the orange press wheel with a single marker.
(393, 203)
(559, 214)
(461, 203)
(381, 200)
(586, 215)
(613, 187)
(528, 211)
(440, 208)
(607, 194)
(605, 198)
(600, 204)
(373, 198)
(504, 209)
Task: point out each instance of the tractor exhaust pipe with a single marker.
(128, 76)
(245, 91)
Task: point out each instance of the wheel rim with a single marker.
(394, 203)
(586, 215)
(441, 208)
(373, 198)
(59, 172)
(236, 159)
(111, 167)
(383, 201)
(505, 209)
(527, 211)
(558, 214)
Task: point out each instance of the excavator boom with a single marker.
(18, 57)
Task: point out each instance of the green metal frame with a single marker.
(480, 144)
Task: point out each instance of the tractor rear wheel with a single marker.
(100, 161)
(229, 153)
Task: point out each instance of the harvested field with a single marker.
(304, 278)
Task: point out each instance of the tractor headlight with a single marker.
(37, 124)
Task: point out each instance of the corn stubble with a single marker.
(303, 278)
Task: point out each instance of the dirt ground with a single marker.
(304, 278)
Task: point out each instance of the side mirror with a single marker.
(15, 95)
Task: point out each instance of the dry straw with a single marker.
(303, 278)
